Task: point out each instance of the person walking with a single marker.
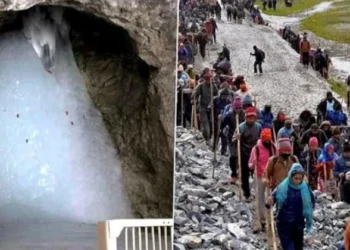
(259, 59)
(295, 204)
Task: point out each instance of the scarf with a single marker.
(325, 157)
(282, 191)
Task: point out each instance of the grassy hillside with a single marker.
(333, 24)
(298, 7)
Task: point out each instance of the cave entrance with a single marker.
(63, 102)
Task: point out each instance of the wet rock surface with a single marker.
(212, 217)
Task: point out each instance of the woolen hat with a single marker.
(313, 142)
(247, 100)
(237, 103)
(250, 112)
(284, 144)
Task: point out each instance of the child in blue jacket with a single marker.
(295, 204)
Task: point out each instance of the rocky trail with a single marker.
(208, 213)
(284, 83)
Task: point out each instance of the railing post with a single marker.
(102, 235)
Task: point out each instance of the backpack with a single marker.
(262, 54)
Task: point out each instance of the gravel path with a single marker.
(285, 83)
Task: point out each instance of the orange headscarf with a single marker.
(266, 135)
(243, 87)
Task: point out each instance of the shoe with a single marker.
(233, 180)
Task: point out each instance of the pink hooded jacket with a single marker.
(264, 155)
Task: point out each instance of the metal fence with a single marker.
(135, 234)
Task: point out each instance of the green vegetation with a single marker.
(338, 87)
(333, 24)
(298, 7)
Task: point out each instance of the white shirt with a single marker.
(330, 105)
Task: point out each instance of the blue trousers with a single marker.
(291, 235)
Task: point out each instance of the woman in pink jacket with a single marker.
(259, 156)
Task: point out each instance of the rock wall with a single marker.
(135, 92)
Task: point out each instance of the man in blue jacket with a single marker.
(286, 130)
(265, 117)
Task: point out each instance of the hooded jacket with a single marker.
(338, 148)
(265, 118)
(219, 105)
(341, 165)
(263, 156)
(326, 159)
(284, 132)
(183, 54)
(329, 131)
(321, 137)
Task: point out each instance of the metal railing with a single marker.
(135, 234)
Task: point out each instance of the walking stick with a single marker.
(195, 117)
(268, 221)
(308, 167)
(182, 107)
(273, 230)
(257, 209)
(254, 100)
(215, 145)
(248, 64)
(325, 177)
(212, 110)
(239, 158)
(272, 224)
(274, 132)
(192, 116)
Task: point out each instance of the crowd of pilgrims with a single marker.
(289, 157)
